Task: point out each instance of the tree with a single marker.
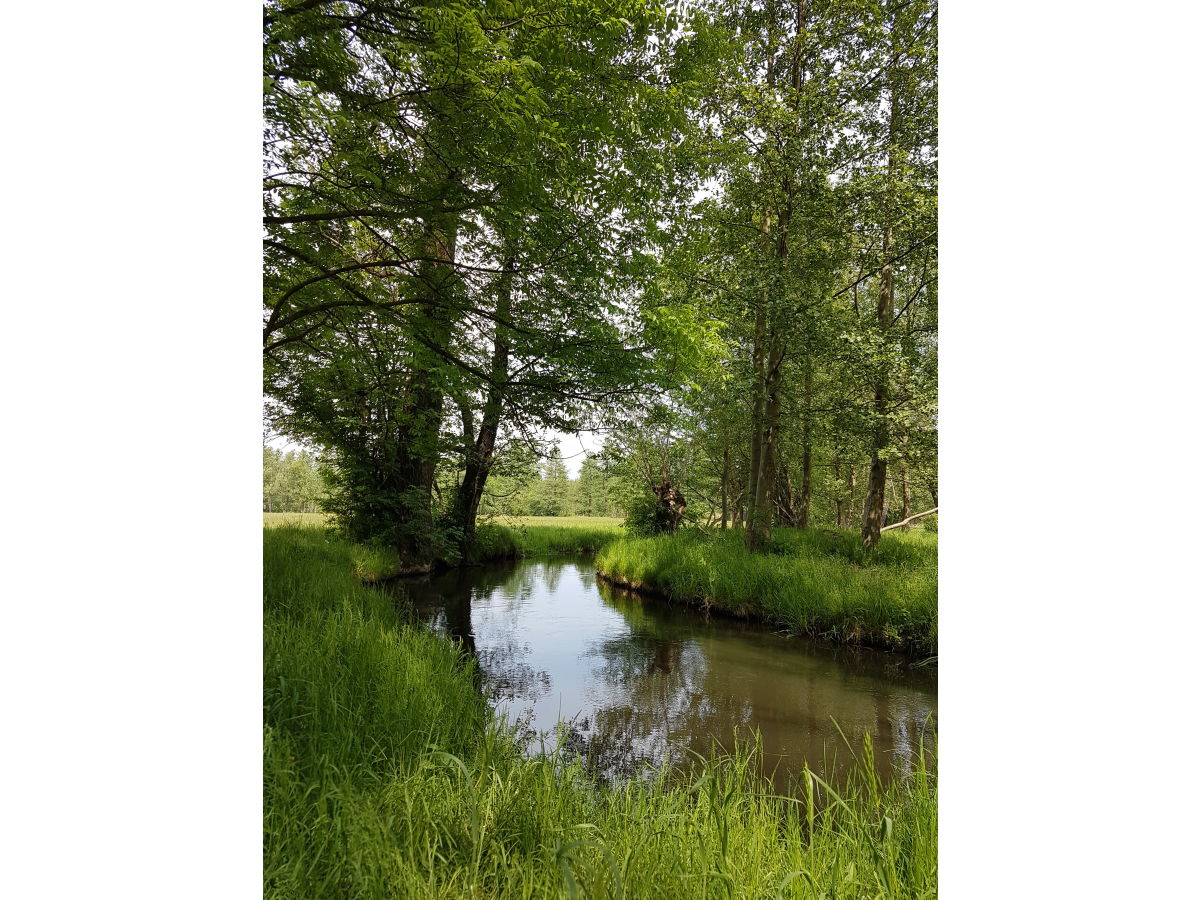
(458, 200)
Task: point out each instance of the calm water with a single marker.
(639, 682)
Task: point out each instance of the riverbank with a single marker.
(386, 775)
(817, 583)
(498, 542)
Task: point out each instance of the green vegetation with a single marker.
(505, 538)
(611, 523)
(275, 519)
(534, 535)
(292, 482)
(386, 776)
(494, 541)
(820, 583)
(706, 231)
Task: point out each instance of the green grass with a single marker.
(577, 537)
(275, 519)
(503, 537)
(385, 775)
(818, 583)
(590, 522)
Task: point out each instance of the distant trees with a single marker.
(292, 482)
(546, 489)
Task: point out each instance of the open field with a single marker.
(498, 538)
(292, 518)
(559, 521)
(275, 519)
(385, 775)
(818, 583)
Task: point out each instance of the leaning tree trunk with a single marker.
(416, 460)
(481, 450)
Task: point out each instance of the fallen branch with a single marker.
(909, 519)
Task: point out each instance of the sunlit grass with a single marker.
(612, 522)
(385, 775)
(818, 583)
(275, 519)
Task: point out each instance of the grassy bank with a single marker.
(816, 583)
(506, 538)
(546, 534)
(386, 776)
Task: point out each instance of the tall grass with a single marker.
(503, 538)
(609, 522)
(816, 583)
(533, 540)
(385, 775)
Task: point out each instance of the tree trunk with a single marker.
(757, 408)
(874, 507)
(758, 528)
(785, 494)
(481, 451)
(417, 452)
(725, 488)
(839, 499)
(806, 454)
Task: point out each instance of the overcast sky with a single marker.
(573, 447)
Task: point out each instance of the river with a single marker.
(638, 683)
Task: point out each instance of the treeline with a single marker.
(709, 228)
(292, 482)
(546, 489)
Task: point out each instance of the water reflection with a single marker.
(640, 684)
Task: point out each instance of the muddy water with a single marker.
(637, 682)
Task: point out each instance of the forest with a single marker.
(704, 234)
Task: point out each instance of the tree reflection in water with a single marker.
(639, 684)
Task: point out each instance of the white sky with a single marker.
(572, 446)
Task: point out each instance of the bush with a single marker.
(493, 542)
(645, 517)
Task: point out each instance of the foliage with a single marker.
(546, 490)
(646, 516)
(709, 229)
(292, 482)
(459, 200)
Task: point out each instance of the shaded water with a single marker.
(639, 682)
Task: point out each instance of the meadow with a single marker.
(275, 519)
(386, 775)
(503, 537)
(818, 583)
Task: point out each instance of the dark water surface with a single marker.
(639, 682)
